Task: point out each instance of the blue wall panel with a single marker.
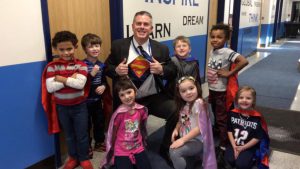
(198, 44)
(247, 40)
(23, 126)
(266, 35)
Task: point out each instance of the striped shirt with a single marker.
(96, 81)
(72, 92)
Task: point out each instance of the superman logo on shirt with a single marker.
(139, 67)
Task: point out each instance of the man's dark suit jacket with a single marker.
(120, 50)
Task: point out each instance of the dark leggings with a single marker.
(96, 121)
(245, 159)
(218, 104)
(141, 161)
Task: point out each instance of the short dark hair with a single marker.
(123, 83)
(64, 36)
(142, 13)
(223, 27)
(90, 38)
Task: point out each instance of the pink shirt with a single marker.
(129, 138)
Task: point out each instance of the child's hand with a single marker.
(100, 89)
(59, 78)
(95, 70)
(177, 143)
(237, 151)
(174, 135)
(240, 148)
(223, 73)
(74, 75)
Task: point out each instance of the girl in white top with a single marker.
(192, 136)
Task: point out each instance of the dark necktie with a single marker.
(145, 54)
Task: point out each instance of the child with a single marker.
(127, 131)
(247, 132)
(91, 44)
(185, 63)
(193, 134)
(217, 76)
(65, 81)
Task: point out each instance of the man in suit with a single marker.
(147, 63)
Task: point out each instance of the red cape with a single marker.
(232, 88)
(107, 102)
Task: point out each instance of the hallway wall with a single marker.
(286, 15)
(267, 22)
(248, 27)
(23, 127)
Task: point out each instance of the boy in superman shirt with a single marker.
(64, 80)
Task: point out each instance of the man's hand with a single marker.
(122, 68)
(156, 67)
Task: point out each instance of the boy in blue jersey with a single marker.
(91, 44)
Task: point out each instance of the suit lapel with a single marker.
(154, 49)
(125, 47)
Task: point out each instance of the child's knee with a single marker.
(174, 153)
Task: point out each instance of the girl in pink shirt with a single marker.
(127, 131)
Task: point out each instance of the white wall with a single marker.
(21, 32)
(226, 11)
(268, 11)
(250, 13)
(287, 10)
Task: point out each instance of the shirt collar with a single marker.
(145, 45)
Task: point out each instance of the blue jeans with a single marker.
(74, 121)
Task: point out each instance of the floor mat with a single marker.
(284, 129)
(275, 78)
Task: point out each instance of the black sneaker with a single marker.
(100, 147)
